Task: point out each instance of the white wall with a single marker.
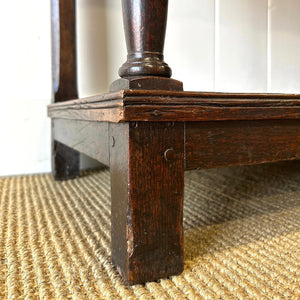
(284, 35)
(25, 86)
(223, 45)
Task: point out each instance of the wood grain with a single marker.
(146, 83)
(156, 132)
(90, 138)
(219, 144)
(67, 88)
(147, 199)
(65, 161)
(145, 24)
(143, 105)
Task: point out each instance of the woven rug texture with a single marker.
(242, 237)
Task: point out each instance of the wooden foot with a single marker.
(147, 182)
(65, 162)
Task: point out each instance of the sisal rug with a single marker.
(242, 237)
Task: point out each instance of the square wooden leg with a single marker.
(147, 183)
(65, 161)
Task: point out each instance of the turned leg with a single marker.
(145, 28)
(147, 181)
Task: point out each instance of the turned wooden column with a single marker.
(145, 24)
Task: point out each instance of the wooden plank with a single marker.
(207, 113)
(218, 144)
(89, 138)
(178, 113)
(135, 105)
(94, 115)
(147, 169)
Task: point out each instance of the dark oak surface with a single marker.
(149, 131)
(220, 144)
(64, 49)
(145, 27)
(146, 83)
(207, 144)
(147, 166)
(65, 160)
(143, 105)
(90, 138)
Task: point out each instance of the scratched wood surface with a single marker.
(147, 169)
(148, 155)
(219, 144)
(90, 138)
(142, 105)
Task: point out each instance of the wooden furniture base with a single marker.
(149, 138)
(148, 131)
